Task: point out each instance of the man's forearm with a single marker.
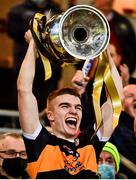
(27, 71)
(27, 104)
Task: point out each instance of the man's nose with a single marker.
(18, 154)
(73, 110)
(104, 162)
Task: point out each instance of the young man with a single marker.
(61, 154)
(13, 158)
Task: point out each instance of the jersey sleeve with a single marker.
(34, 146)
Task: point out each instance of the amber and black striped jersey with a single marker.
(55, 158)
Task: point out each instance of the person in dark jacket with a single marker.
(18, 19)
(122, 67)
(13, 157)
(124, 136)
(122, 32)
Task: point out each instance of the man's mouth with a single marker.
(71, 122)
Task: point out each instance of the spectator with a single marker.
(124, 137)
(59, 154)
(122, 68)
(13, 158)
(109, 163)
(18, 20)
(122, 33)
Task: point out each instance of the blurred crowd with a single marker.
(122, 48)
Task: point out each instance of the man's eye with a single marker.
(23, 153)
(79, 108)
(110, 161)
(64, 106)
(10, 152)
(129, 96)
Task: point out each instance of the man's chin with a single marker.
(71, 133)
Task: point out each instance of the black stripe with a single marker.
(63, 174)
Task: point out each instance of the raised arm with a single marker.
(27, 104)
(107, 108)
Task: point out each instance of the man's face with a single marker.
(129, 103)
(65, 116)
(106, 158)
(11, 144)
(115, 56)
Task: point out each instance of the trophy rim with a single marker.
(98, 13)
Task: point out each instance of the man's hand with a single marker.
(80, 81)
(125, 75)
(28, 36)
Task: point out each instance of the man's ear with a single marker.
(50, 115)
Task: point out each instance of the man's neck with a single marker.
(70, 139)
